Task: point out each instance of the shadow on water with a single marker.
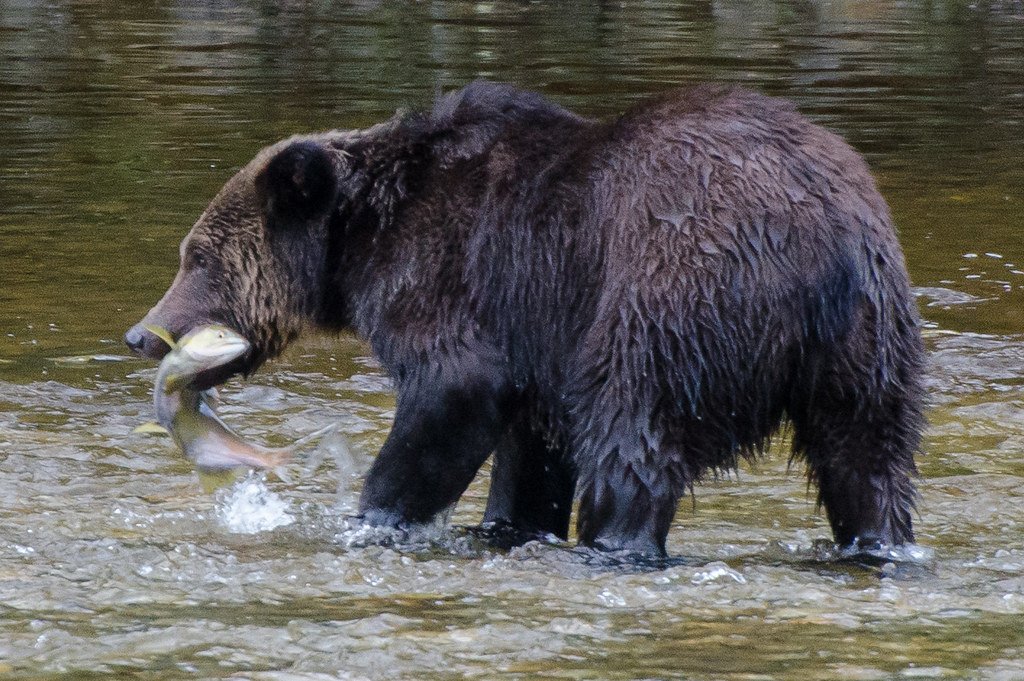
(119, 122)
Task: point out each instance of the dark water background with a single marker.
(118, 123)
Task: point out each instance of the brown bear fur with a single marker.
(614, 308)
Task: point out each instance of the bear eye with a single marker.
(199, 260)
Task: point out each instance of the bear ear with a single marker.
(299, 182)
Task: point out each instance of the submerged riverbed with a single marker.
(117, 126)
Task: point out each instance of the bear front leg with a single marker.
(532, 484)
(443, 432)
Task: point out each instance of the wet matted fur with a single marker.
(614, 308)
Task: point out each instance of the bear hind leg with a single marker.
(859, 430)
(628, 494)
(865, 480)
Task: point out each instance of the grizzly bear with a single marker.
(613, 308)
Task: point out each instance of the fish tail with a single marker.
(306, 439)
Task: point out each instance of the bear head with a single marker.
(286, 243)
(256, 259)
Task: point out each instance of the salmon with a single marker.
(187, 413)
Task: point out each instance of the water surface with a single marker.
(119, 123)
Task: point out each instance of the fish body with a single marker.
(206, 440)
(187, 413)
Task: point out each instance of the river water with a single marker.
(119, 122)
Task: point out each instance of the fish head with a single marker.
(204, 356)
(212, 346)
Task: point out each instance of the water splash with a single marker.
(435, 534)
(826, 551)
(339, 449)
(913, 554)
(249, 507)
(715, 571)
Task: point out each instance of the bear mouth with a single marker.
(144, 343)
(211, 378)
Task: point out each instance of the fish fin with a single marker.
(161, 333)
(214, 479)
(152, 427)
(282, 474)
(206, 408)
(171, 383)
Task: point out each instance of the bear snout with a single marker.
(144, 343)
